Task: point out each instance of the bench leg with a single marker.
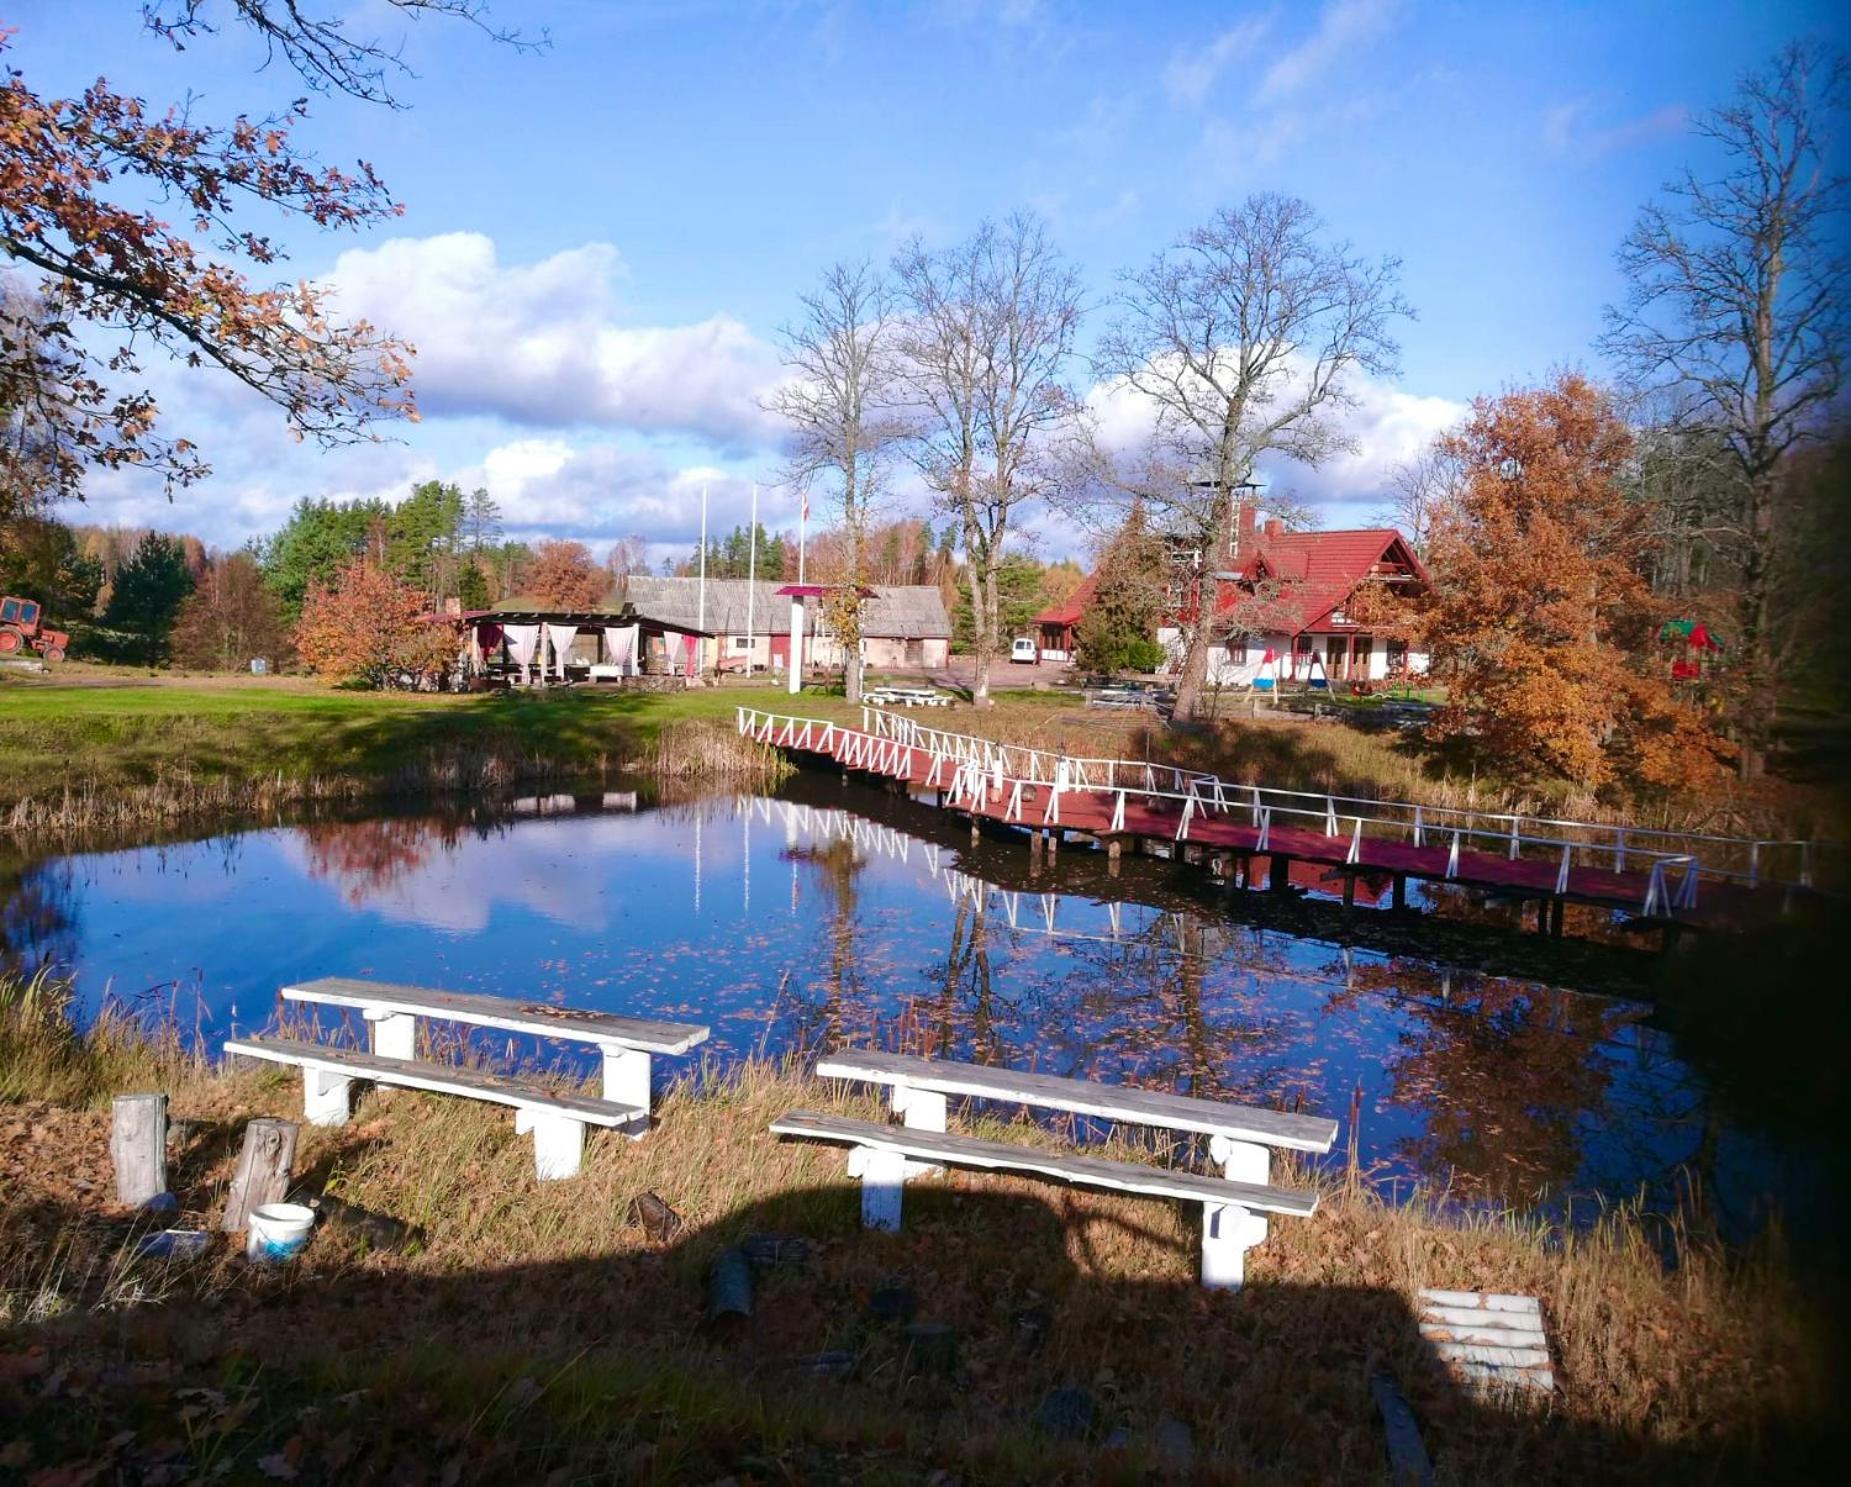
(395, 1034)
(325, 1100)
(1228, 1232)
(883, 1180)
(558, 1142)
(1244, 1161)
(626, 1082)
(923, 1110)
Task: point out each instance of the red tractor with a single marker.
(19, 628)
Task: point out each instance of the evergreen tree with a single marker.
(149, 590)
(1118, 631)
(319, 539)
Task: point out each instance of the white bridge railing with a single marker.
(972, 771)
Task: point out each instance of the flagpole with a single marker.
(701, 623)
(803, 520)
(752, 581)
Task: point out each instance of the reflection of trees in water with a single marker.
(846, 1012)
(1178, 1004)
(1509, 1080)
(38, 915)
(367, 857)
(1157, 1003)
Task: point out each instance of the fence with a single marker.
(970, 769)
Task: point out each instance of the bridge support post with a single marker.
(1279, 877)
(1401, 890)
(1349, 890)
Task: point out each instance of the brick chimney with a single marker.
(1243, 536)
(1274, 528)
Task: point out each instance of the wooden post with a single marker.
(1280, 878)
(1401, 890)
(1349, 890)
(138, 1147)
(263, 1171)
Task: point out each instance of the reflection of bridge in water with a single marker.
(1028, 891)
(1083, 899)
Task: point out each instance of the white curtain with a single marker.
(620, 641)
(523, 642)
(562, 637)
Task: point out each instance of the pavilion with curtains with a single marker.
(550, 647)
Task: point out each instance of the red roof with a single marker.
(1318, 571)
(1069, 610)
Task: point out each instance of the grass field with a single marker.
(530, 1332)
(100, 755)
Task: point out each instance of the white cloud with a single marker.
(1191, 74)
(1385, 426)
(545, 343)
(1567, 131)
(1342, 25)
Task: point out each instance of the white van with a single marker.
(1024, 650)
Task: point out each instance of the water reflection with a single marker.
(796, 923)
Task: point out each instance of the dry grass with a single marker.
(536, 1329)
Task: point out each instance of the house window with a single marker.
(1335, 650)
(1397, 657)
(741, 643)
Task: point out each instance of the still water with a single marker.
(830, 915)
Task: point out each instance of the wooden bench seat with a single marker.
(557, 1120)
(1240, 1135)
(626, 1043)
(881, 1155)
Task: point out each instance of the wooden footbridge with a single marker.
(1670, 878)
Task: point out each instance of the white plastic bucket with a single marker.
(277, 1232)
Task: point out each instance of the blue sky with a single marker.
(602, 238)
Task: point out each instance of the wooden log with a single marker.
(263, 1171)
(1408, 1463)
(138, 1147)
(729, 1293)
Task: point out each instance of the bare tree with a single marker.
(986, 345)
(627, 559)
(1242, 338)
(1421, 487)
(1739, 292)
(840, 404)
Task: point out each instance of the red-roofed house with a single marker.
(1298, 584)
(1056, 625)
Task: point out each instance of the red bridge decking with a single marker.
(1200, 817)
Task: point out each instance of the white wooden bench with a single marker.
(1241, 1139)
(626, 1043)
(882, 1155)
(557, 1120)
(907, 697)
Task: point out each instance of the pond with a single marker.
(829, 913)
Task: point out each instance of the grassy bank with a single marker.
(112, 757)
(531, 1332)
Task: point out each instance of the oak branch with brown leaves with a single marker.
(122, 225)
(71, 170)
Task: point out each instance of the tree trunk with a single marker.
(263, 1171)
(983, 625)
(852, 669)
(138, 1147)
(1194, 675)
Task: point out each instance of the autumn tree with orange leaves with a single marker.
(371, 626)
(1541, 620)
(563, 575)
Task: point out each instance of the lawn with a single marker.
(98, 753)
